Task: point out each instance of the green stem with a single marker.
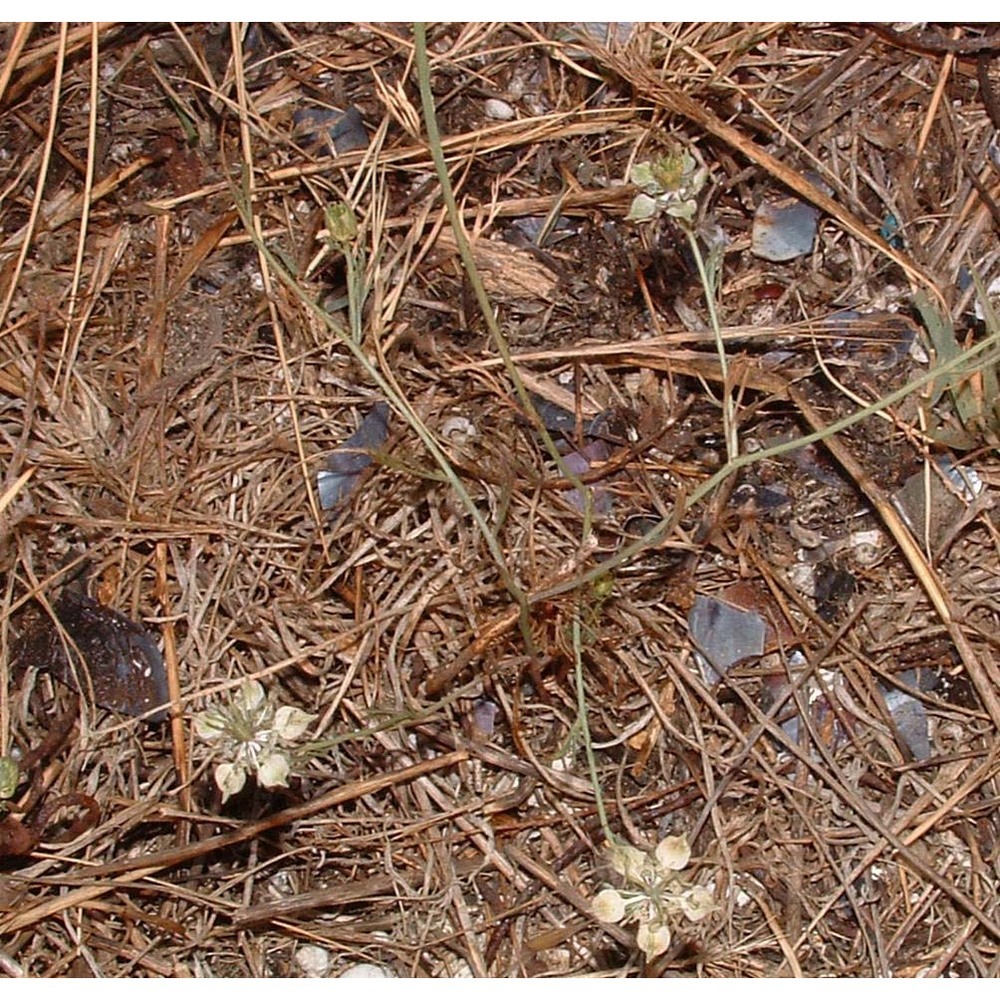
(465, 251)
(581, 707)
(709, 283)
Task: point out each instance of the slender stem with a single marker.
(709, 283)
(503, 349)
(581, 707)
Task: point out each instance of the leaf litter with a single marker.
(500, 678)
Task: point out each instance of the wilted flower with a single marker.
(656, 892)
(669, 184)
(253, 738)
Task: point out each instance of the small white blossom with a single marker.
(669, 184)
(252, 738)
(660, 895)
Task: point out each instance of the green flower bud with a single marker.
(10, 777)
(341, 223)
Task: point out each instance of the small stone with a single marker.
(498, 110)
(313, 960)
(460, 430)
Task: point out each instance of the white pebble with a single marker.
(313, 960)
(498, 110)
(460, 430)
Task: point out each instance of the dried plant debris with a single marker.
(121, 664)
(878, 339)
(472, 670)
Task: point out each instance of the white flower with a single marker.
(248, 734)
(660, 896)
(670, 184)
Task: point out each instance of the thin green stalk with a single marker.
(659, 531)
(500, 342)
(709, 282)
(581, 710)
(398, 402)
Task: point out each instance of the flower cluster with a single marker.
(654, 894)
(252, 737)
(669, 184)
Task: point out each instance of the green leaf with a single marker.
(643, 209)
(641, 175)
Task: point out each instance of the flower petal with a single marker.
(290, 723)
(697, 903)
(211, 724)
(609, 906)
(673, 853)
(249, 695)
(628, 861)
(273, 770)
(230, 779)
(653, 939)
(641, 175)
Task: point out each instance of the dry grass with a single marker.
(177, 358)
